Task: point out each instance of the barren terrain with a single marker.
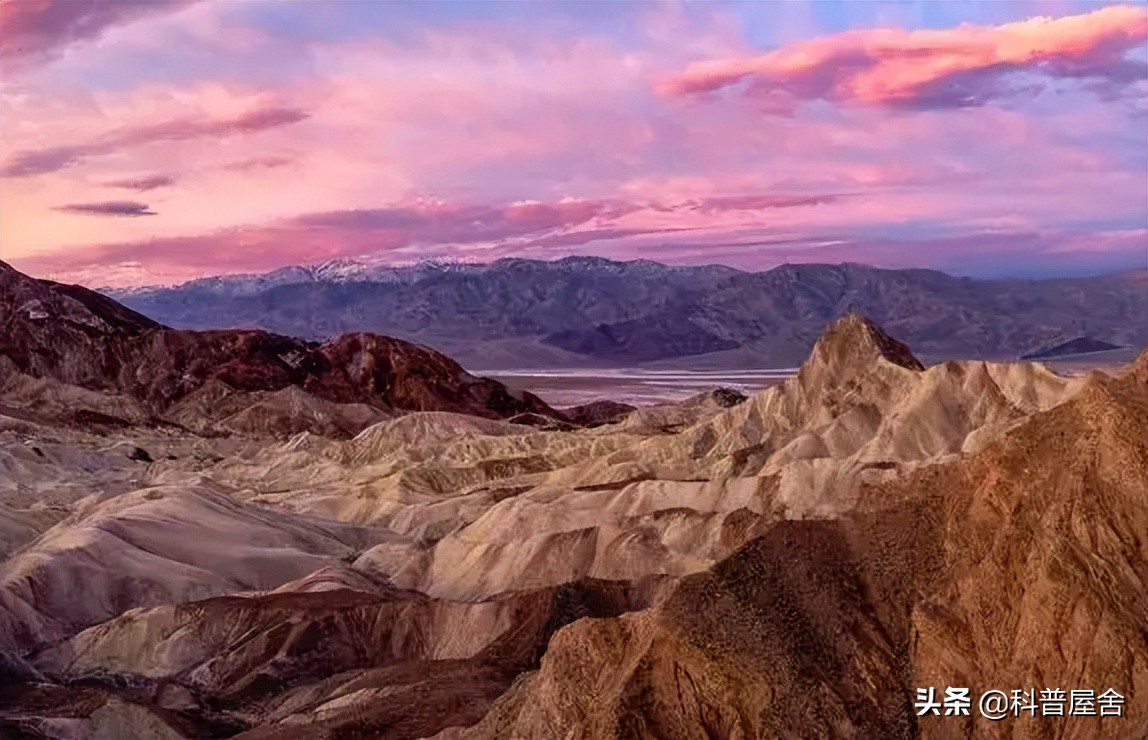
(293, 563)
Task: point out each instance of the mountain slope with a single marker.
(1021, 566)
(588, 311)
(78, 337)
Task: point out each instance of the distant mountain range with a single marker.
(589, 311)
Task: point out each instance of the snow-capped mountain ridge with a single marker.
(379, 269)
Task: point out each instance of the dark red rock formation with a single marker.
(79, 337)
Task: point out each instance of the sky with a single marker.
(147, 143)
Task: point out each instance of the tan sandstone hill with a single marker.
(1021, 566)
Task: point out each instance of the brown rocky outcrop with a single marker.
(79, 337)
(1020, 567)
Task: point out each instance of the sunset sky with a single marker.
(148, 143)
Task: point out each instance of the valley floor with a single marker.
(641, 386)
(636, 386)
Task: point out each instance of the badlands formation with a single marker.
(198, 541)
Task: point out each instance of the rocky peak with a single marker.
(29, 304)
(855, 341)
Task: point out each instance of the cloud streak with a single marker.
(52, 159)
(257, 163)
(128, 208)
(451, 222)
(142, 184)
(762, 202)
(959, 67)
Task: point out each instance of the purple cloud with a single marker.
(36, 30)
(109, 208)
(142, 184)
(466, 223)
(52, 159)
(257, 163)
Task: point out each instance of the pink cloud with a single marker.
(35, 30)
(471, 118)
(452, 222)
(955, 67)
(51, 159)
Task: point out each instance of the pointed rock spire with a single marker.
(854, 341)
